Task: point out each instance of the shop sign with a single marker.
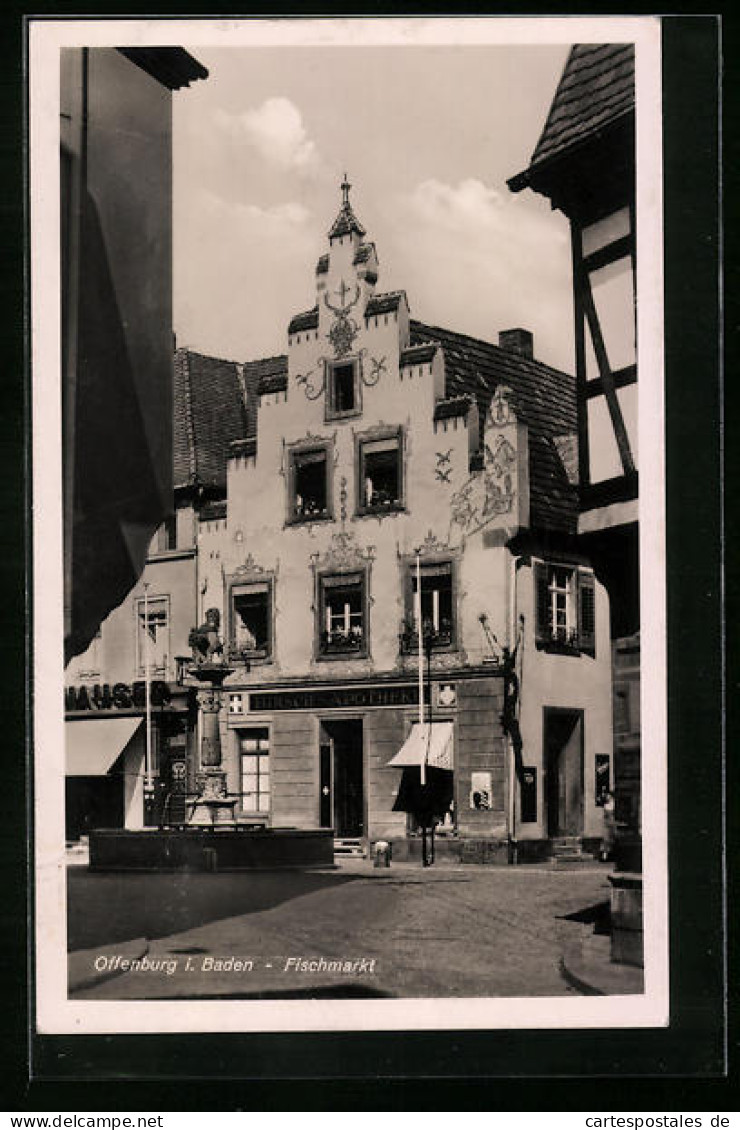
(119, 696)
(335, 698)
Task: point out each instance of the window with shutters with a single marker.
(565, 608)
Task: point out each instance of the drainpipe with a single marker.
(511, 643)
(515, 637)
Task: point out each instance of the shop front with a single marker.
(126, 767)
(327, 757)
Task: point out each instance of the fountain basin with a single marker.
(225, 848)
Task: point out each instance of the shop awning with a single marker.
(429, 743)
(93, 744)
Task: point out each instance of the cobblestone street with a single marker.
(406, 931)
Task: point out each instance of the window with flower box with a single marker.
(437, 608)
(342, 629)
(250, 635)
(309, 485)
(379, 474)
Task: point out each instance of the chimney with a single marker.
(517, 341)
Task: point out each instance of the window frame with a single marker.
(238, 585)
(261, 812)
(580, 609)
(408, 638)
(294, 454)
(362, 442)
(334, 578)
(331, 366)
(164, 602)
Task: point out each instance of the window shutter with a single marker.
(542, 627)
(586, 613)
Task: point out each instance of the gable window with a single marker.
(254, 752)
(152, 634)
(309, 485)
(379, 474)
(565, 608)
(342, 612)
(251, 620)
(343, 388)
(437, 608)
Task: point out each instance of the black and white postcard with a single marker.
(349, 566)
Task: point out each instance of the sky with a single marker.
(428, 136)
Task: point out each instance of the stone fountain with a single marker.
(212, 839)
(213, 807)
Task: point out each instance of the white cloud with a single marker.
(272, 221)
(276, 130)
(479, 259)
(464, 205)
(472, 207)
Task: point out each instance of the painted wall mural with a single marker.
(443, 469)
(492, 494)
(344, 329)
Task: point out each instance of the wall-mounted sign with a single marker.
(446, 695)
(119, 696)
(336, 697)
(481, 791)
(529, 794)
(601, 778)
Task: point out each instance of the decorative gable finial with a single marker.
(346, 186)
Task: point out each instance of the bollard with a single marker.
(381, 854)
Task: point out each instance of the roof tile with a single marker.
(597, 87)
(544, 398)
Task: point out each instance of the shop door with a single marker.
(563, 748)
(341, 778)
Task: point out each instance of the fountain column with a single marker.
(213, 805)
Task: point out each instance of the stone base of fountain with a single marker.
(224, 847)
(213, 807)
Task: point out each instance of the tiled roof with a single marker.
(174, 67)
(454, 406)
(308, 320)
(258, 376)
(418, 354)
(597, 87)
(345, 223)
(544, 398)
(273, 382)
(243, 447)
(213, 511)
(209, 412)
(384, 303)
(363, 253)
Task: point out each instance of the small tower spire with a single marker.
(346, 222)
(346, 186)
